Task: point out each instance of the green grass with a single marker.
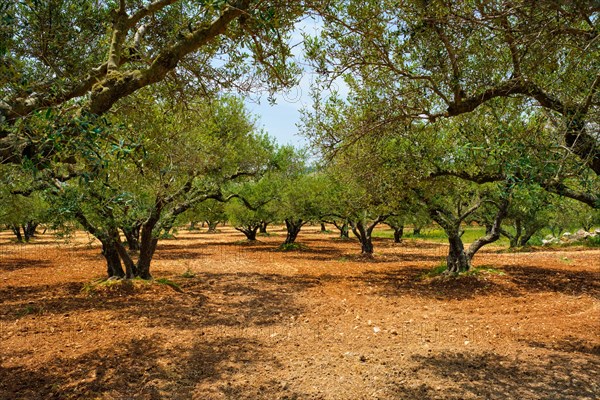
(438, 235)
(124, 286)
(188, 274)
(441, 269)
(292, 247)
(170, 283)
(593, 241)
(436, 271)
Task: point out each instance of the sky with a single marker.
(280, 120)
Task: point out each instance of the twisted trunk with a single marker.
(343, 228)
(113, 261)
(364, 232)
(132, 235)
(398, 233)
(249, 231)
(17, 231)
(293, 227)
(263, 227)
(212, 226)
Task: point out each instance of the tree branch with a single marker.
(117, 86)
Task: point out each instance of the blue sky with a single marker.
(280, 120)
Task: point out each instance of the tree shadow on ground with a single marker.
(209, 299)
(411, 281)
(10, 264)
(537, 279)
(569, 344)
(491, 376)
(514, 281)
(147, 368)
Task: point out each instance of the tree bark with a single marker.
(148, 241)
(493, 234)
(457, 260)
(323, 227)
(364, 232)
(343, 228)
(263, 227)
(147, 249)
(293, 227)
(398, 233)
(113, 262)
(29, 230)
(249, 231)
(212, 226)
(132, 234)
(17, 231)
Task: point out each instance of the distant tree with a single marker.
(22, 214)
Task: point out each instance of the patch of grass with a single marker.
(123, 287)
(436, 271)
(245, 242)
(442, 270)
(471, 233)
(30, 309)
(170, 283)
(188, 274)
(292, 247)
(566, 260)
(109, 286)
(266, 234)
(484, 270)
(343, 239)
(593, 241)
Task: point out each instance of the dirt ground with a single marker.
(252, 322)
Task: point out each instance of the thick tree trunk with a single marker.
(323, 227)
(148, 243)
(17, 231)
(364, 234)
(457, 260)
(29, 230)
(113, 261)
(147, 249)
(249, 231)
(527, 236)
(130, 267)
(293, 229)
(263, 227)
(212, 226)
(366, 246)
(344, 229)
(398, 233)
(132, 234)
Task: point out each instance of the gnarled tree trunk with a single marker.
(113, 261)
(457, 259)
(293, 227)
(212, 226)
(344, 229)
(263, 227)
(16, 229)
(364, 232)
(132, 235)
(249, 231)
